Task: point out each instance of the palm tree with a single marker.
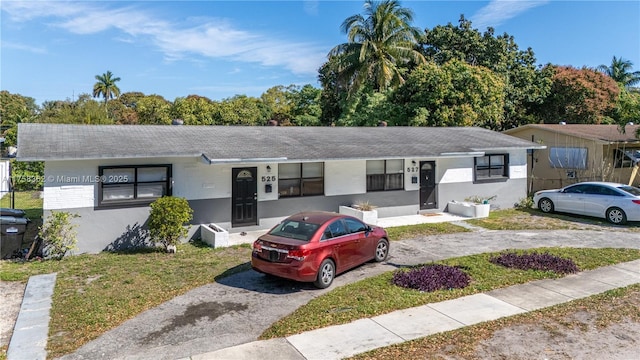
(620, 71)
(106, 86)
(379, 45)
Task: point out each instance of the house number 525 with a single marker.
(268, 178)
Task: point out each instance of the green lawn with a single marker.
(29, 201)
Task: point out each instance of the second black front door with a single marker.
(428, 185)
(244, 197)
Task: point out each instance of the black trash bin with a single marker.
(12, 212)
(12, 231)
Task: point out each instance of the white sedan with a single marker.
(612, 201)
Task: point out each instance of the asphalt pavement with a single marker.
(222, 320)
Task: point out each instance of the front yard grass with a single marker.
(533, 219)
(377, 295)
(413, 231)
(96, 293)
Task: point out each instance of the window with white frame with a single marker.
(133, 185)
(491, 167)
(568, 157)
(301, 179)
(385, 175)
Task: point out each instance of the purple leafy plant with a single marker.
(535, 261)
(431, 278)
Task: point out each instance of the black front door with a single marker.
(244, 197)
(428, 185)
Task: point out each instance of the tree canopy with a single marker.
(579, 96)
(381, 43)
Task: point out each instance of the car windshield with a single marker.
(295, 230)
(631, 190)
(634, 155)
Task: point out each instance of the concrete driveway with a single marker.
(238, 308)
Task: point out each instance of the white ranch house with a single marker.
(249, 178)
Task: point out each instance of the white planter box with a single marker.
(368, 217)
(482, 210)
(469, 209)
(462, 208)
(214, 235)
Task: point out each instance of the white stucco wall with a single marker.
(72, 184)
(345, 177)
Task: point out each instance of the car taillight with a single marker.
(297, 254)
(636, 201)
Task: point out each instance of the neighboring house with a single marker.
(245, 178)
(577, 152)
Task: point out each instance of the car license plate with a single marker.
(274, 255)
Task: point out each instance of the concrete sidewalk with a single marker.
(340, 341)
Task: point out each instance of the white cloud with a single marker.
(499, 11)
(22, 47)
(311, 7)
(208, 37)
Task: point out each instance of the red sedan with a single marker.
(315, 246)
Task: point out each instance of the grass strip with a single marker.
(377, 295)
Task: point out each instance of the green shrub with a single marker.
(524, 203)
(167, 220)
(58, 234)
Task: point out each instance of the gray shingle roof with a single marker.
(38, 142)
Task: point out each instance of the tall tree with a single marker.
(454, 94)
(193, 110)
(15, 109)
(153, 110)
(620, 71)
(380, 44)
(525, 84)
(579, 96)
(106, 86)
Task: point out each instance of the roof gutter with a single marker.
(462, 154)
(210, 161)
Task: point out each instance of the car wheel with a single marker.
(545, 205)
(382, 250)
(326, 273)
(616, 216)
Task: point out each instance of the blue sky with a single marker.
(52, 50)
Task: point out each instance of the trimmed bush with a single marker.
(535, 261)
(168, 220)
(431, 278)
